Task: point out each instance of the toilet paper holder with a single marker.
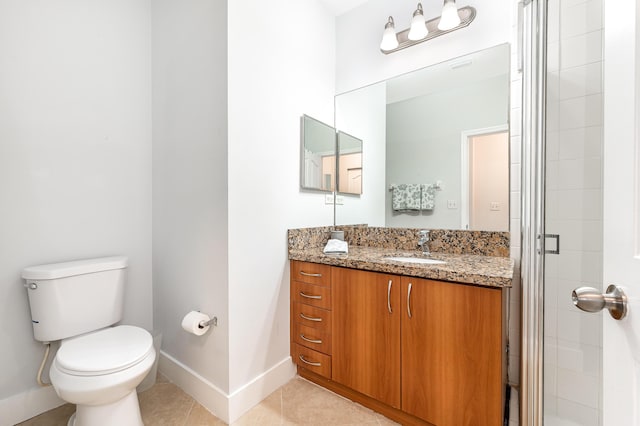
(213, 321)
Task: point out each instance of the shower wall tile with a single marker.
(582, 142)
(553, 87)
(579, 204)
(514, 122)
(580, 18)
(577, 235)
(579, 357)
(515, 204)
(553, 56)
(577, 414)
(581, 173)
(553, 16)
(579, 81)
(516, 149)
(580, 266)
(581, 50)
(515, 177)
(579, 327)
(553, 145)
(583, 111)
(578, 388)
(516, 91)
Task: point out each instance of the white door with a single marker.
(621, 214)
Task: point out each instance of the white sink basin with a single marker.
(422, 260)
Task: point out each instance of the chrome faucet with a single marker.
(423, 242)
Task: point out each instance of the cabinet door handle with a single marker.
(306, 274)
(310, 296)
(306, 339)
(315, 364)
(409, 300)
(389, 296)
(303, 316)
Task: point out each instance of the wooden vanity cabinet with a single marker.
(420, 351)
(366, 333)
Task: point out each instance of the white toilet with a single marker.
(97, 367)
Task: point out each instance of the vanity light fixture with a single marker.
(389, 38)
(451, 19)
(418, 29)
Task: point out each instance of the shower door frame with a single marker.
(532, 26)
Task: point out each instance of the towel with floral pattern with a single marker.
(428, 199)
(406, 196)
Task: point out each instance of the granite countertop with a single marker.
(490, 271)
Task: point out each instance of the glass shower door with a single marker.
(573, 212)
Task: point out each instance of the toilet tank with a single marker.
(72, 298)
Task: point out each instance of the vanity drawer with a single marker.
(310, 294)
(311, 316)
(312, 273)
(318, 339)
(312, 360)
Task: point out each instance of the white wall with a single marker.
(359, 31)
(75, 158)
(281, 65)
(190, 235)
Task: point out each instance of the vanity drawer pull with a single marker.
(310, 296)
(306, 339)
(306, 274)
(389, 297)
(315, 364)
(303, 316)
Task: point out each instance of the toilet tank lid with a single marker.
(77, 267)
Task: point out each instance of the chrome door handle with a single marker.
(409, 301)
(590, 299)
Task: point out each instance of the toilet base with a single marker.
(124, 412)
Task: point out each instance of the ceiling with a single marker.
(338, 7)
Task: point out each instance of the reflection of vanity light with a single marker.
(452, 19)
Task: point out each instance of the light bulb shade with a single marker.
(389, 37)
(450, 18)
(418, 29)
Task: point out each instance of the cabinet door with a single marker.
(366, 333)
(452, 353)
(422, 334)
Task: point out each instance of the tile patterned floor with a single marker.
(299, 402)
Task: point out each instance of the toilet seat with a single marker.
(104, 352)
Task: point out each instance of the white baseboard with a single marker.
(228, 408)
(250, 395)
(21, 407)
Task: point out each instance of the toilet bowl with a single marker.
(99, 372)
(98, 365)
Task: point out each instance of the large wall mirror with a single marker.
(437, 146)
